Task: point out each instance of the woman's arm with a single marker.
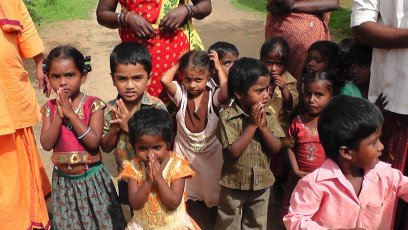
(167, 78)
(105, 13)
(201, 8)
(311, 7)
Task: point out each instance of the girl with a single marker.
(322, 56)
(156, 177)
(307, 154)
(83, 195)
(197, 121)
(284, 98)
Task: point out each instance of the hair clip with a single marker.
(44, 66)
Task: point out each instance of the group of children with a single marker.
(231, 116)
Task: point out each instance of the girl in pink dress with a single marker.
(306, 154)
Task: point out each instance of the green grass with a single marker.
(339, 24)
(45, 11)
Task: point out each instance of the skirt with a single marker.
(86, 201)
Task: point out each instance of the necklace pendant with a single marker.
(68, 126)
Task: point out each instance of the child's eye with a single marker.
(55, 76)
(227, 63)
(158, 147)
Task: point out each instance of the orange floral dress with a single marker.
(154, 214)
(166, 46)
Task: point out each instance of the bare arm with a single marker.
(223, 94)
(171, 196)
(204, 7)
(43, 82)
(105, 13)
(294, 164)
(271, 143)
(138, 196)
(238, 147)
(167, 78)
(311, 7)
(50, 132)
(380, 36)
(110, 140)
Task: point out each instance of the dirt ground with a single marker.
(226, 23)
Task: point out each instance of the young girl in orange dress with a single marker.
(83, 194)
(164, 27)
(156, 177)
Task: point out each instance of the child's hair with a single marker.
(130, 52)
(222, 48)
(327, 49)
(360, 54)
(332, 83)
(278, 46)
(346, 121)
(195, 59)
(68, 53)
(151, 121)
(244, 73)
(344, 47)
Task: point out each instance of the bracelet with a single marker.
(126, 19)
(87, 131)
(118, 18)
(198, 10)
(189, 9)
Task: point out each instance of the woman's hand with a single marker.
(172, 20)
(139, 25)
(280, 6)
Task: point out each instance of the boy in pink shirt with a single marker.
(352, 189)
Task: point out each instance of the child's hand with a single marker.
(121, 115)
(279, 81)
(149, 173)
(64, 103)
(262, 123)
(255, 115)
(381, 102)
(157, 172)
(214, 57)
(301, 174)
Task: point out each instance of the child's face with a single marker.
(274, 64)
(130, 81)
(64, 74)
(228, 61)
(257, 93)
(195, 80)
(360, 74)
(316, 95)
(148, 147)
(316, 62)
(369, 150)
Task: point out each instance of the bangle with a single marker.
(126, 19)
(198, 10)
(118, 18)
(87, 131)
(189, 9)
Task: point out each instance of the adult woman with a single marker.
(300, 23)
(24, 185)
(163, 26)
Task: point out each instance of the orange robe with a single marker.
(24, 185)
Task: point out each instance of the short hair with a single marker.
(195, 59)
(68, 53)
(360, 54)
(334, 83)
(244, 73)
(278, 46)
(222, 48)
(346, 121)
(130, 52)
(151, 121)
(327, 49)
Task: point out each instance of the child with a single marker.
(307, 153)
(197, 120)
(156, 177)
(249, 134)
(227, 54)
(322, 56)
(284, 98)
(359, 58)
(130, 65)
(83, 194)
(352, 189)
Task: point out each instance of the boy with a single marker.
(130, 65)
(227, 54)
(249, 134)
(352, 189)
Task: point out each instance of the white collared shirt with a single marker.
(389, 67)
